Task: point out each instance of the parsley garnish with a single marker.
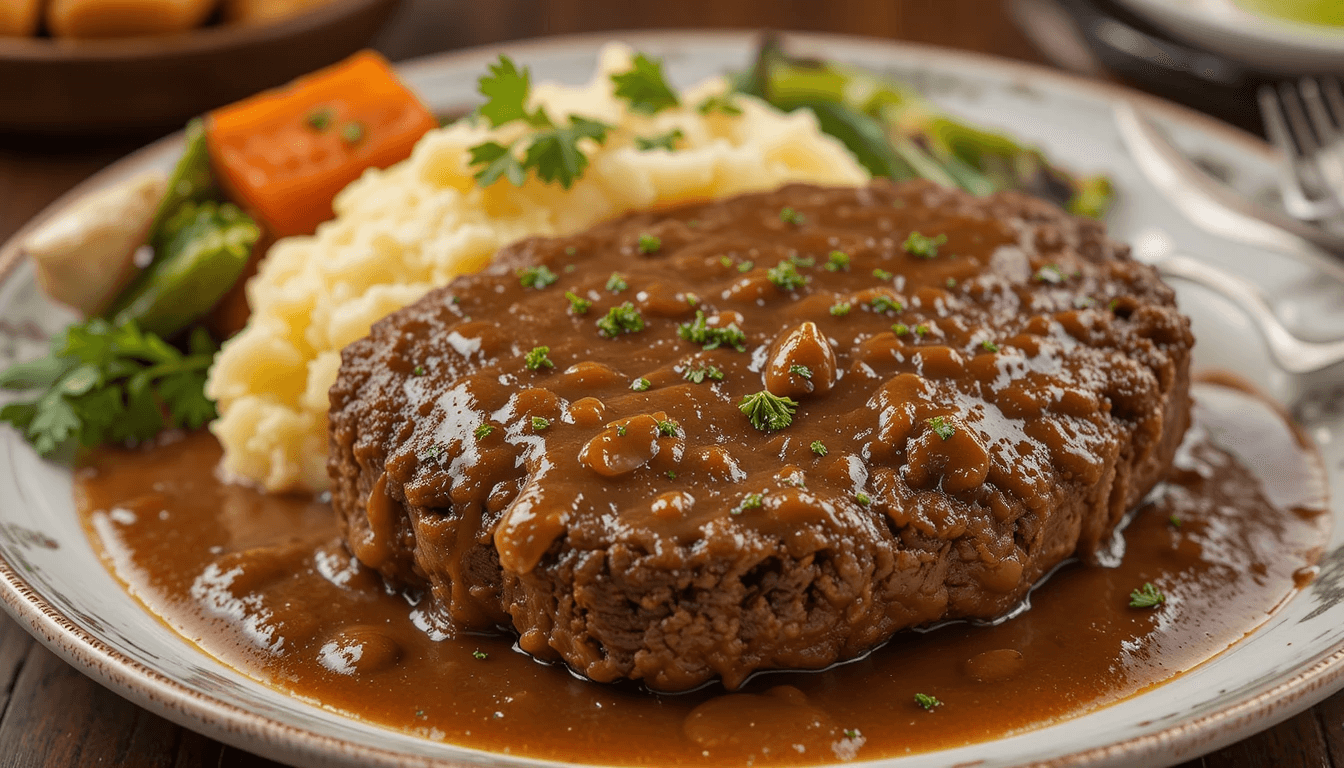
(951, 282)
(666, 141)
(837, 261)
(790, 216)
(480, 655)
(616, 283)
(1050, 273)
(840, 309)
(539, 423)
(552, 153)
(320, 119)
(483, 431)
(418, 370)
(746, 266)
(801, 370)
(750, 501)
(802, 261)
(536, 277)
(577, 304)
(882, 274)
(722, 103)
(431, 453)
(644, 86)
(922, 246)
(725, 261)
(506, 89)
(698, 375)
(352, 133)
(671, 474)
(862, 498)
(1084, 302)
(700, 332)
(641, 384)
(1175, 521)
(767, 411)
(537, 359)
(852, 733)
(922, 330)
(900, 329)
(102, 383)
(927, 702)
(785, 276)
(819, 448)
(989, 346)
(620, 430)
(1146, 596)
(940, 427)
(884, 303)
(622, 319)
(649, 243)
(667, 428)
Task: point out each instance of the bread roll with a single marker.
(18, 18)
(267, 11)
(86, 19)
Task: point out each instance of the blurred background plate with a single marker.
(1270, 42)
(144, 83)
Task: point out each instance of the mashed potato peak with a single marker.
(417, 225)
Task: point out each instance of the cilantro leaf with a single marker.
(644, 86)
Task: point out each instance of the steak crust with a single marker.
(984, 388)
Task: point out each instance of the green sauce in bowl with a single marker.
(1329, 13)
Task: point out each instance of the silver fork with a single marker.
(1304, 123)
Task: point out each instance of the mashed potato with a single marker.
(402, 231)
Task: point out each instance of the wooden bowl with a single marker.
(108, 86)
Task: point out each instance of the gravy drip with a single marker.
(264, 584)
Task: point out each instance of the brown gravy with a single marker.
(263, 583)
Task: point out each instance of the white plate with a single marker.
(52, 581)
(1272, 44)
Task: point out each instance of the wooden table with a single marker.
(52, 715)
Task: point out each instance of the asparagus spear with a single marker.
(895, 132)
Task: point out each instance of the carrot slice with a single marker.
(284, 154)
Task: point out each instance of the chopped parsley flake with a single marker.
(641, 384)
(837, 261)
(622, 319)
(620, 431)
(1146, 596)
(570, 251)
(722, 104)
(951, 282)
(768, 411)
(840, 309)
(989, 346)
(480, 655)
(616, 283)
(667, 428)
(692, 299)
(819, 448)
(802, 261)
(927, 702)
(725, 261)
(671, 474)
(577, 304)
(940, 427)
(882, 274)
(852, 733)
(746, 266)
(785, 276)
(801, 370)
(750, 501)
(883, 303)
(1175, 521)
(900, 329)
(432, 452)
(921, 330)
(922, 246)
(862, 498)
(1084, 302)
(569, 267)
(536, 277)
(700, 332)
(537, 359)
(698, 375)
(418, 370)
(484, 431)
(644, 87)
(352, 133)
(1050, 273)
(649, 243)
(538, 423)
(790, 216)
(667, 141)
(320, 119)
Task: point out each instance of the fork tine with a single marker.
(1321, 120)
(1334, 96)
(1295, 198)
(1292, 108)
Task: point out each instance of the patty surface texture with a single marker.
(766, 432)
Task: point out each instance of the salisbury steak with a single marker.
(983, 388)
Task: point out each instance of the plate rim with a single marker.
(258, 733)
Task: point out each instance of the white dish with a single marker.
(1222, 26)
(54, 583)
